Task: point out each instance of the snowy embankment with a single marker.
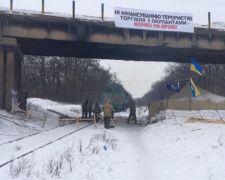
(202, 114)
(11, 131)
(170, 149)
(44, 104)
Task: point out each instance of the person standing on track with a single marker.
(86, 109)
(23, 101)
(97, 111)
(132, 113)
(107, 113)
(83, 109)
(89, 108)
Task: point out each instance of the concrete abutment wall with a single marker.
(10, 74)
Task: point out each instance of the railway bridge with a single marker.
(85, 37)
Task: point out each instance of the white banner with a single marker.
(153, 20)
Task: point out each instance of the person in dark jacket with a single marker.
(23, 101)
(83, 109)
(86, 109)
(89, 108)
(97, 111)
(132, 113)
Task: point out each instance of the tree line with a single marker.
(64, 79)
(212, 80)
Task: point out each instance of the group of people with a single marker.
(86, 109)
(107, 108)
(108, 111)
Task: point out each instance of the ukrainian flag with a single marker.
(195, 67)
(194, 90)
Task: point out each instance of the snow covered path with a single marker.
(134, 155)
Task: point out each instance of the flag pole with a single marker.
(197, 68)
(190, 87)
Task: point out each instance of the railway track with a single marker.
(31, 151)
(27, 136)
(30, 135)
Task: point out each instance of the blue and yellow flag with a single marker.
(195, 67)
(194, 90)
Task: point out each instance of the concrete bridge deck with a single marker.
(48, 35)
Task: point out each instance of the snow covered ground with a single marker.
(168, 150)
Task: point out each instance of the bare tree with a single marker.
(212, 79)
(64, 79)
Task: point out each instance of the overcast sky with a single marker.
(136, 77)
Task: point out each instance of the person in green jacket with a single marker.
(107, 113)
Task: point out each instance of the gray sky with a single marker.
(136, 77)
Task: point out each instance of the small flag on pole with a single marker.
(195, 92)
(172, 88)
(195, 67)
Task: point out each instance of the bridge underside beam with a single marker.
(120, 52)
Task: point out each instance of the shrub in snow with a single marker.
(80, 146)
(49, 166)
(106, 138)
(90, 143)
(90, 176)
(69, 155)
(23, 165)
(95, 149)
(54, 166)
(113, 143)
(99, 136)
(30, 168)
(58, 166)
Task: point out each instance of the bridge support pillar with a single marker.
(2, 79)
(10, 74)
